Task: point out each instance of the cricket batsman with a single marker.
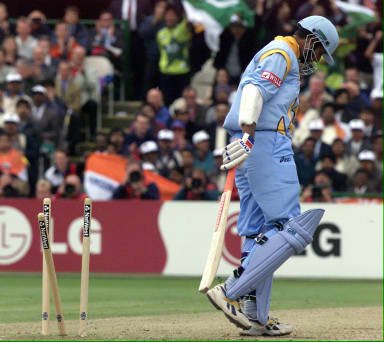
(260, 122)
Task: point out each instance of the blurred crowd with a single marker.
(50, 94)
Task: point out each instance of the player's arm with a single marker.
(257, 88)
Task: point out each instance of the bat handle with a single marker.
(230, 180)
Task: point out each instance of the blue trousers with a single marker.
(269, 194)
(268, 184)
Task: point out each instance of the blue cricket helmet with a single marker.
(326, 33)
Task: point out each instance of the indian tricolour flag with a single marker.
(215, 15)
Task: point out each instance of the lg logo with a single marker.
(15, 235)
(326, 241)
(74, 238)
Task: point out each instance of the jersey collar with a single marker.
(292, 43)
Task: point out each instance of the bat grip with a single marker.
(230, 180)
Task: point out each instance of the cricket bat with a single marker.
(216, 248)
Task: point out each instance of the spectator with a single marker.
(26, 125)
(63, 45)
(237, 47)
(357, 101)
(368, 117)
(306, 162)
(345, 163)
(196, 111)
(377, 105)
(54, 100)
(85, 77)
(177, 175)
(11, 123)
(148, 31)
(155, 99)
(44, 44)
(374, 53)
(5, 26)
(101, 142)
(360, 185)
(188, 160)
(352, 74)
(70, 133)
(4, 68)
(60, 169)
(316, 93)
(13, 169)
(141, 132)
(342, 113)
(66, 87)
(316, 129)
(14, 91)
(338, 180)
(220, 83)
(377, 147)
(10, 50)
(180, 113)
(76, 30)
(168, 157)
(106, 39)
(136, 186)
(358, 142)
(38, 24)
(24, 67)
(332, 128)
(197, 188)
(218, 135)
(367, 161)
(149, 152)
(71, 188)
(149, 111)
(29, 129)
(43, 189)
(179, 142)
(42, 71)
(25, 42)
(46, 118)
(320, 191)
(203, 156)
(304, 115)
(173, 41)
(278, 21)
(117, 138)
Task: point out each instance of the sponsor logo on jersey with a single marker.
(271, 77)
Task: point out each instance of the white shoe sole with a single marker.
(262, 331)
(215, 299)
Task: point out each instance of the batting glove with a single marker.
(236, 152)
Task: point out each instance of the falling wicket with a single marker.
(51, 273)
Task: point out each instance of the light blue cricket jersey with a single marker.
(275, 70)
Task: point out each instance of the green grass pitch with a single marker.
(117, 296)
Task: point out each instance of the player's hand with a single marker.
(236, 152)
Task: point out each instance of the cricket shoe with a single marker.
(272, 328)
(231, 308)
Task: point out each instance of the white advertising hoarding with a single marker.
(347, 244)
